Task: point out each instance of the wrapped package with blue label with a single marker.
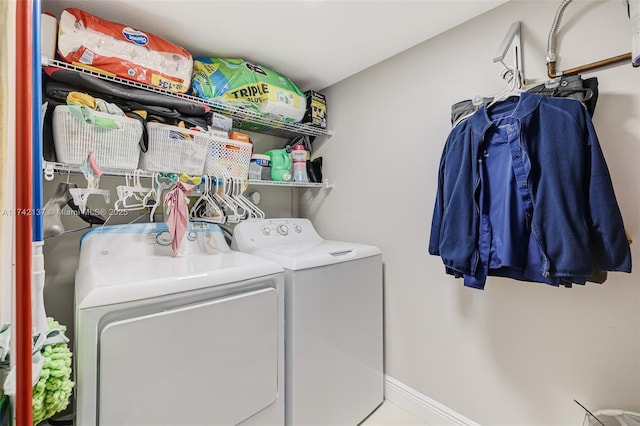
(88, 41)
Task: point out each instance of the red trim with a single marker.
(24, 74)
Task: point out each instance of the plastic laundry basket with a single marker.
(228, 158)
(174, 149)
(612, 418)
(113, 139)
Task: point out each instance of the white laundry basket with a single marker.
(612, 418)
(228, 158)
(77, 134)
(174, 150)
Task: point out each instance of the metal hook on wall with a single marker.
(511, 40)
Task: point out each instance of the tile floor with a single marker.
(389, 414)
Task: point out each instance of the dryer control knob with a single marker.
(283, 229)
(266, 231)
(164, 238)
(298, 229)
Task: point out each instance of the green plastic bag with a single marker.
(240, 83)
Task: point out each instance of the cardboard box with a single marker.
(220, 122)
(316, 113)
(238, 136)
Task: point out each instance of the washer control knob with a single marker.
(266, 231)
(283, 229)
(192, 236)
(298, 229)
(164, 238)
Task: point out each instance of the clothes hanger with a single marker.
(514, 87)
(253, 210)
(92, 174)
(92, 218)
(213, 208)
(162, 181)
(237, 186)
(228, 190)
(205, 208)
(219, 194)
(131, 196)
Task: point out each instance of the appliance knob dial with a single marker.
(266, 231)
(283, 229)
(298, 229)
(164, 238)
(192, 236)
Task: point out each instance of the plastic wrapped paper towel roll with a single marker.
(86, 39)
(48, 33)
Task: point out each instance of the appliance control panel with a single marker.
(196, 232)
(269, 232)
(143, 240)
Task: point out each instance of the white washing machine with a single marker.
(164, 341)
(333, 320)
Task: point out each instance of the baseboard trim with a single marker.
(421, 406)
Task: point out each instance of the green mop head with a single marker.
(53, 391)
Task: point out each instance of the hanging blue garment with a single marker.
(524, 192)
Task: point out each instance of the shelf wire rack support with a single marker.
(242, 118)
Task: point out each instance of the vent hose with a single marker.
(551, 40)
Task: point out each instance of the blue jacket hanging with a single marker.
(573, 216)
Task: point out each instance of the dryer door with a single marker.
(211, 363)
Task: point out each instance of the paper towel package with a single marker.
(87, 40)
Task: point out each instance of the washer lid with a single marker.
(121, 265)
(294, 243)
(325, 252)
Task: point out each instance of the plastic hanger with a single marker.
(220, 195)
(228, 187)
(205, 208)
(237, 188)
(133, 195)
(513, 89)
(195, 180)
(92, 174)
(80, 196)
(162, 181)
(253, 211)
(514, 78)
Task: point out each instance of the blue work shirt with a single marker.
(524, 192)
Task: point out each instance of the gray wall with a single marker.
(516, 353)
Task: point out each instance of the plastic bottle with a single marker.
(299, 157)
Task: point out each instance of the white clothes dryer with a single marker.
(164, 341)
(333, 320)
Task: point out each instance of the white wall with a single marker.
(516, 353)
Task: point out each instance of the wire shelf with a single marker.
(242, 118)
(51, 167)
(324, 184)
